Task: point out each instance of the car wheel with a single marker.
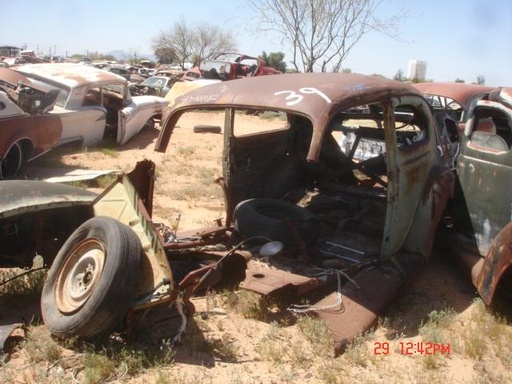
(207, 129)
(150, 124)
(93, 279)
(268, 218)
(11, 163)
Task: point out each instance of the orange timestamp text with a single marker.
(411, 348)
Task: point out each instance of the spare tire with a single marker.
(274, 219)
(93, 280)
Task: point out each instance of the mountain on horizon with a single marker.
(123, 55)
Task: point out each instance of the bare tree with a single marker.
(322, 32)
(179, 40)
(210, 40)
(192, 44)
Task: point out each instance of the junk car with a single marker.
(457, 98)
(106, 258)
(120, 70)
(477, 227)
(230, 66)
(26, 132)
(319, 219)
(92, 104)
(154, 85)
(451, 104)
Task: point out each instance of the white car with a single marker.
(93, 104)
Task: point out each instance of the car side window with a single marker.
(256, 122)
(410, 126)
(490, 133)
(92, 97)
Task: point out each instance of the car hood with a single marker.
(20, 196)
(460, 92)
(149, 101)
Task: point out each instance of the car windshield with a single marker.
(229, 57)
(47, 86)
(154, 82)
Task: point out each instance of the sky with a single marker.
(458, 39)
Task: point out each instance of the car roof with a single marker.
(159, 77)
(313, 94)
(234, 55)
(71, 75)
(317, 96)
(462, 93)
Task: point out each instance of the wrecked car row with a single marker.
(89, 104)
(302, 215)
(292, 197)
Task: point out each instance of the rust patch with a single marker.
(497, 261)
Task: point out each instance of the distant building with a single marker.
(9, 51)
(417, 70)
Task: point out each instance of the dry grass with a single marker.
(283, 353)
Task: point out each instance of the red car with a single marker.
(230, 66)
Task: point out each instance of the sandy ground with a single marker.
(440, 286)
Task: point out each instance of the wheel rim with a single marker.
(11, 163)
(79, 275)
(150, 124)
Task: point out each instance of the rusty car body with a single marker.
(458, 98)
(451, 103)
(478, 224)
(360, 230)
(92, 104)
(107, 261)
(181, 87)
(25, 131)
(37, 217)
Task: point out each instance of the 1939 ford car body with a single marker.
(362, 228)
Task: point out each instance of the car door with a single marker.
(134, 116)
(86, 125)
(484, 169)
(410, 154)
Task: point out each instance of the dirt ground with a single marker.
(291, 357)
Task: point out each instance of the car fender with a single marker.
(134, 116)
(495, 264)
(129, 201)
